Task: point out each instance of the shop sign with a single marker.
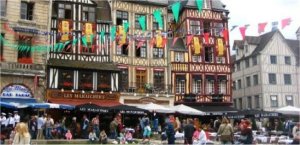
(79, 95)
(16, 91)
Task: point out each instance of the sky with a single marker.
(252, 12)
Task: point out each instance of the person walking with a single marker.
(225, 131)
(246, 132)
(170, 130)
(85, 125)
(22, 136)
(188, 132)
(96, 123)
(49, 126)
(33, 127)
(41, 126)
(113, 128)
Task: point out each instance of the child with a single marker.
(103, 137)
(68, 135)
(93, 137)
(128, 136)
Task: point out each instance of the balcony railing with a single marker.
(135, 87)
(15, 67)
(91, 57)
(197, 98)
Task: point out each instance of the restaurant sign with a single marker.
(16, 91)
(79, 95)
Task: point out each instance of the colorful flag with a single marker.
(261, 27)
(113, 31)
(189, 39)
(243, 32)
(199, 4)
(220, 47)
(142, 21)
(158, 18)
(174, 41)
(225, 35)
(285, 22)
(206, 37)
(197, 46)
(175, 10)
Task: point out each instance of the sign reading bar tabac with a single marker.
(78, 95)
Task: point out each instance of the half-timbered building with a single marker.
(143, 64)
(79, 65)
(200, 56)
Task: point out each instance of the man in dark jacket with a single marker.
(188, 132)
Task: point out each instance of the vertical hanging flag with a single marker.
(65, 30)
(88, 32)
(199, 4)
(261, 27)
(285, 22)
(206, 37)
(102, 35)
(113, 31)
(175, 10)
(158, 18)
(220, 47)
(274, 26)
(197, 46)
(243, 32)
(189, 39)
(159, 40)
(142, 21)
(84, 41)
(126, 26)
(225, 35)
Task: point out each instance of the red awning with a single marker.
(75, 102)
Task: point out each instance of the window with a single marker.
(272, 78)
(65, 79)
(256, 100)
(287, 60)
(249, 101)
(254, 60)
(26, 10)
(238, 66)
(140, 50)
(197, 84)
(241, 103)
(248, 81)
(210, 86)
(220, 60)
(158, 52)
(24, 49)
(104, 81)
(287, 79)
(289, 100)
(207, 27)
(218, 29)
(239, 84)
(88, 14)
(122, 50)
(234, 103)
(124, 79)
(1, 46)
(179, 57)
(222, 87)
(64, 11)
(247, 64)
(180, 84)
(234, 85)
(196, 58)
(273, 59)
(255, 80)
(85, 80)
(274, 101)
(155, 23)
(209, 54)
(137, 24)
(122, 17)
(141, 80)
(207, 4)
(3, 7)
(159, 80)
(195, 27)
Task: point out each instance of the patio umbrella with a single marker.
(50, 105)
(157, 108)
(289, 110)
(126, 109)
(183, 109)
(89, 107)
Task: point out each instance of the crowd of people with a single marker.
(169, 128)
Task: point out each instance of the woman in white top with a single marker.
(201, 138)
(22, 136)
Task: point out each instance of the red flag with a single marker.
(140, 43)
(285, 22)
(243, 32)
(164, 42)
(174, 41)
(206, 37)
(152, 42)
(225, 34)
(189, 39)
(261, 27)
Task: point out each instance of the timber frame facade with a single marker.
(201, 76)
(83, 64)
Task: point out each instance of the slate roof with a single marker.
(83, 65)
(153, 2)
(178, 46)
(216, 4)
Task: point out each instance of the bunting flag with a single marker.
(126, 27)
(123, 39)
(285, 22)
(199, 4)
(274, 26)
(152, 42)
(142, 21)
(243, 32)
(88, 32)
(197, 46)
(102, 36)
(158, 18)
(113, 31)
(84, 41)
(261, 27)
(220, 47)
(175, 10)
(189, 39)
(159, 40)
(206, 37)
(225, 35)
(164, 42)
(65, 30)
(233, 27)
(140, 43)
(174, 41)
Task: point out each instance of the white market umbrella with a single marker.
(157, 108)
(289, 110)
(183, 109)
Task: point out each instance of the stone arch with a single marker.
(15, 84)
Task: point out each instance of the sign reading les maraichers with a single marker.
(79, 95)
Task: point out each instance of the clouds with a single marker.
(257, 11)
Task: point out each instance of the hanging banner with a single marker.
(64, 29)
(175, 10)
(158, 18)
(88, 32)
(159, 40)
(142, 21)
(261, 27)
(197, 46)
(220, 47)
(199, 4)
